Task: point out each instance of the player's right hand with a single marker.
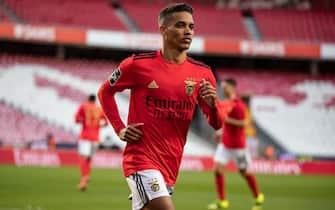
(131, 133)
(217, 136)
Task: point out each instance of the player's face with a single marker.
(178, 31)
(226, 89)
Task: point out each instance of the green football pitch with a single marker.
(32, 188)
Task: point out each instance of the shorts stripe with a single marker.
(140, 188)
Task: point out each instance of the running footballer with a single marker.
(166, 86)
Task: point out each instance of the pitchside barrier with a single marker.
(106, 159)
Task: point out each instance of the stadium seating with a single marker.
(295, 109)
(18, 128)
(3, 16)
(50, 91)
(92, 14)
(295, 25)
(86, 70)
(223, 22)
(290, 25)
(47, 93)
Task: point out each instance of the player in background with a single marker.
(91, 118)
(166, 86)
(233, 146)
(51, 141)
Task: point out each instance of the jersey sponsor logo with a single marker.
(168, 103)
(115, 76)
(169, 109)
(154, 185)
(190, 86)
(153, 85)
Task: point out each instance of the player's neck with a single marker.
(174, 56)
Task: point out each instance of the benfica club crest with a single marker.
(190, 86)
(154, 185)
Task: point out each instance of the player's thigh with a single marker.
(87, 148)
(161, 203)
(242, 159)
(84, 148)
(94, 147)
(222, 155)
(219, 168)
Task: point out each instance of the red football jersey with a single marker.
(90, 116)
(234, 136)
(164, 97)
(225, 107)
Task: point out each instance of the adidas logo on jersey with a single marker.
(153, 85)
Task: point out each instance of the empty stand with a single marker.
(272, 83)
(92, 14)
(3, 16)
(295, 25)
(295, 109)
(51, 90)
(20, 128)
(63, 91)
(209, 21)
(87, 70)
(49, 93)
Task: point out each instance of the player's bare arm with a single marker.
(78, 116)
(235, 122)
(131, 133)
(208, 93)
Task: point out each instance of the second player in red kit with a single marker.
(91, 119)
(166, 86)
(233, 146)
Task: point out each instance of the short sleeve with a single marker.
(239, 112)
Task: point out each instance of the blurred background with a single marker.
(53, 53)
(282, 53)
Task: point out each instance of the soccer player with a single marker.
(91, 117)
(166, 87)
(233, 146)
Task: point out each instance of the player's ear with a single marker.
(162, 29)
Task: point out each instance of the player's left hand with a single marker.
(208, 93)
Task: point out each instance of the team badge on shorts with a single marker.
(190, 86)
(154, 185)
(115, 76)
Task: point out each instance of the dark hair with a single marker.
(49, 136)
(91, 98)
(231, 81)
(179, 7)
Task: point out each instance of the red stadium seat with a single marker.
(91, 14)
(295, 25)
(210, 21)
(20, 128)
(272, 83)
(3, 16)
